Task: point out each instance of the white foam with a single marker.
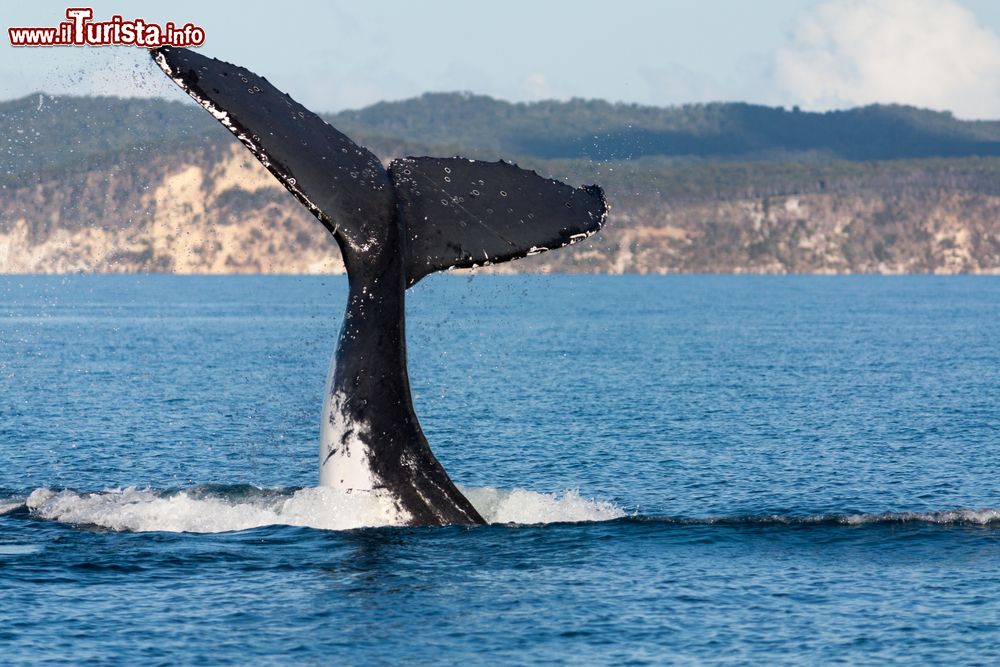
(144, 510)
(979, 517)
(326, 508)
(8, 505)
(962, 516)
(523, 506)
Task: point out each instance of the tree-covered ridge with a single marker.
(42, 133)
(102, 184)
(601, 130)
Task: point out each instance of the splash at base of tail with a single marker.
(222, 508)
(394, 226)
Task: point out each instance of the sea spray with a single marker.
(224, 509)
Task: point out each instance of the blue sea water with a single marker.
(770, 470)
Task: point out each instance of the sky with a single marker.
(817, 54)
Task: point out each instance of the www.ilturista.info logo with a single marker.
(79, 30)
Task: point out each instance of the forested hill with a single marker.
(40, 130)
(104, 184)
(732, 131)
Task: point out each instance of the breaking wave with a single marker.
(8, 505)
(215, 509)
(529, 507)
(970, 517)
(223, 509)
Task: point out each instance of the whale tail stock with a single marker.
(394, 226)
(457, 213)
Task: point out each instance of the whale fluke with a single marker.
(393, 227)
(463, 213)
(327, 172)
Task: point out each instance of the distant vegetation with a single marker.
(726, 131)
(706, 187)
(40, 132)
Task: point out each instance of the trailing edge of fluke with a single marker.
(394, 226)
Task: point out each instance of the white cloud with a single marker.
(929, 53)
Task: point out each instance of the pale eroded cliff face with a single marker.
(216, 210)
(212, 213)
(861, 232)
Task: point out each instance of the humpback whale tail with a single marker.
(394, 226)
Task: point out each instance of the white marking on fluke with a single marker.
(345, 460)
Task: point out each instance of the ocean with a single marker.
(678, 469)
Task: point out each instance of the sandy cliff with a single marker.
(215, 210)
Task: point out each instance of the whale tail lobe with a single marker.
(394, 226)
(457, 213)
(461, 213)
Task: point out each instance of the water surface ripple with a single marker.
(773, 470)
